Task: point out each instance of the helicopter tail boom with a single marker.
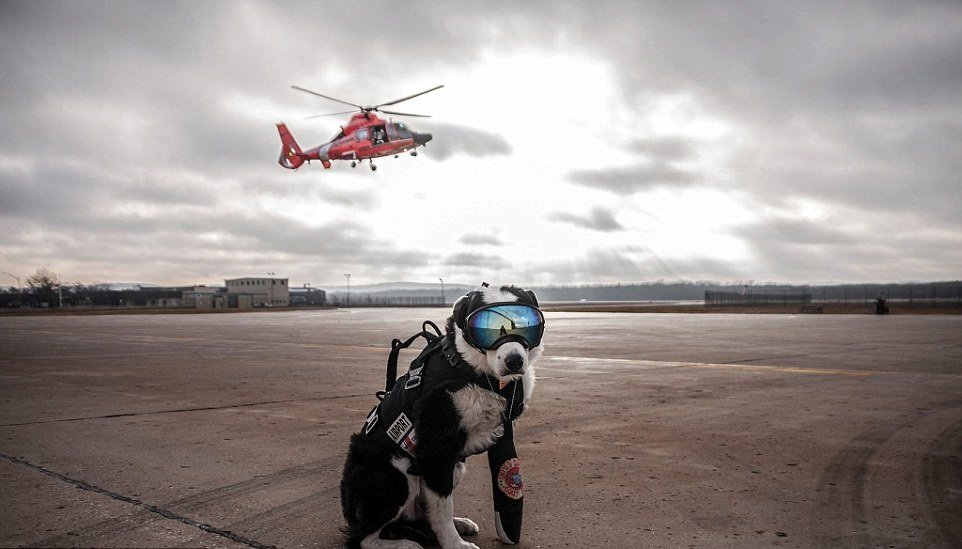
(291, 156)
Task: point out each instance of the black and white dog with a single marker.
(404, 465)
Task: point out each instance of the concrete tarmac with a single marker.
(646, 430)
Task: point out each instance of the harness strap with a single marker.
(397, 345)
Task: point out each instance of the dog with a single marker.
(405, 490)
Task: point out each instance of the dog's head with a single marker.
(498, 331)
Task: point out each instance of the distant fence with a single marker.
(736, 298)
(363, 300)
(939, 293)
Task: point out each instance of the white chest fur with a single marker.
(481, 416)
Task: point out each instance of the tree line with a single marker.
(43, 289)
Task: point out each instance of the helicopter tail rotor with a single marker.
(290, 151)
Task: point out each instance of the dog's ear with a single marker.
(532, 297)
(462, 306)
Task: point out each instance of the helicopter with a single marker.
(366, 136)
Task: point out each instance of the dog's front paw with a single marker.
(465, 545)
(466, 527)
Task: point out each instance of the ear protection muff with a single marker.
(463, 305)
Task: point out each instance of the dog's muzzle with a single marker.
(510, 358)
(514, 363)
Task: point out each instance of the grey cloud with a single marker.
(853, 104)
(480, 240)
(452, 139)
(474, 261)
(60, 214)
(659, 169)
(631, 264)
(914, 171)
(634, 179)
(57, 193)
(796, 232)
(312, 185)
(156, 249)
(664, 149)
(756, 55)
(599, 219)
(875, 83)
(828, 251)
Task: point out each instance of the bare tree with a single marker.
(43, 285)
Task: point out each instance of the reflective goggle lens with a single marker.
(488, 325)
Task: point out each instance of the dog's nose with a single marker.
(514, 362)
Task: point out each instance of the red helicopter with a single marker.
(364, 137)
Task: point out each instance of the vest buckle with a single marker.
(371, 420)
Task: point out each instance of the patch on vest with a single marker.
(509, 478)
(399, 428)
(409, 442)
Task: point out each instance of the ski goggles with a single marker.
(492, 325)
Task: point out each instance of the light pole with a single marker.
(348, 275)
(19, 292)
(442, 290)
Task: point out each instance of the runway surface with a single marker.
(646, 430)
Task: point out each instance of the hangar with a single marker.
(246, 292)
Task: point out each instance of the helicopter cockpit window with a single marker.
(360, 134)
(403, 131)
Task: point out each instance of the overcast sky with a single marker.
(574, 142)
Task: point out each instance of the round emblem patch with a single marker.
(509, 478)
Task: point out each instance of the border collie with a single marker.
(397, 489)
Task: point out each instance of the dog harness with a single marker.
(438, 367)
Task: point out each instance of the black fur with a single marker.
(440, 440)
(371, 488)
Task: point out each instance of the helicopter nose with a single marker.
(422, 138)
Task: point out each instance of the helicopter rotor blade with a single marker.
(405, 114)
(305, 90)
(396, 101)
(328, 114)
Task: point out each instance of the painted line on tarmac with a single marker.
(241, 346)
(166, 513)
(593, 363)
(181, 410)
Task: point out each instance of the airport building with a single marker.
(247, 292)
(204, 297)
(237, 293)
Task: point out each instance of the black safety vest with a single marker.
(438, 367)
